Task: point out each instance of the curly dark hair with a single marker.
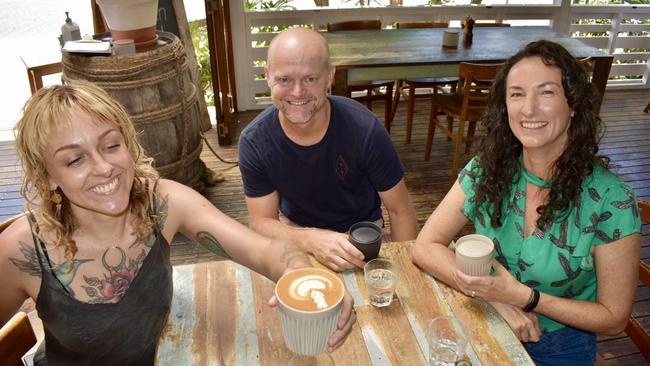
(500, 150)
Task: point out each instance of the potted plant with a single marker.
(131, 19)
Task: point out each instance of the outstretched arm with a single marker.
(198, 219)
(194, 216)
(330, 248)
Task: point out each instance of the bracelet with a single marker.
(532, 301)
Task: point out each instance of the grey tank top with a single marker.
(122, 333)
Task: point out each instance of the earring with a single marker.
(56, 199)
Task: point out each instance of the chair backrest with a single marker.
(474, 84)
(413, 25)
(5, 224)
(16, 338)
(354, 25)
(587, 64)
(480, 25)
(634, 329)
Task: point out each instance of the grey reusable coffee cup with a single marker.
(366, 236)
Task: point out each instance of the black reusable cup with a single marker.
(366, 236)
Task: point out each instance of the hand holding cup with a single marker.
(474, 254)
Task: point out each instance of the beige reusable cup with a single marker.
(474, 254)
(450, 38)
(309, 303)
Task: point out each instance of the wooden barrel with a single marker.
(155, 87)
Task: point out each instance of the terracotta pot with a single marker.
(131, 19)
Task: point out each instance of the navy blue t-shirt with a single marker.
(332, 184)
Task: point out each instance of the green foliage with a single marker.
(268, 5)
(199, 32)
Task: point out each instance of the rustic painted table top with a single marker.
(220, 316)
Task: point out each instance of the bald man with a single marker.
(314, 165)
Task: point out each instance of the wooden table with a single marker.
(383, 54)
(219, 316)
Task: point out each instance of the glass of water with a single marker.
(448, 340)
(380, 276)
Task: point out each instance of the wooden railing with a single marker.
(252, 30)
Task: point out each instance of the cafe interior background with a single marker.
(30, 29)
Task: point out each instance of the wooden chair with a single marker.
(432, 83)
(16, 338)
(371, 88)
(587, 64)
(415, 25)
(634, 329)
(466, 105)
(496, 24)
(5, 224)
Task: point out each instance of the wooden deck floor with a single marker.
(625, 141)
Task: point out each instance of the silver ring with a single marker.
(472, 293)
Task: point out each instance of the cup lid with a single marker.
(366, 232)
(474, 246)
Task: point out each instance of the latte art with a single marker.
(311, 287)
(309, 302)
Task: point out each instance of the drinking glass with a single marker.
(380, 276)
(448, 339)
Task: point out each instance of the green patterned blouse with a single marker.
(557, 261)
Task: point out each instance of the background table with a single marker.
(220, 316)
(411, 53)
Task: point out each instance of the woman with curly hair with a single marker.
(565, 229)
(92, 249)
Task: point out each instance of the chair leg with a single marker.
(409, 113)
(647, 108)
(396, 98)
(458, 141)
(471, 129)
(432, 130)
(388, 109)
(450, 126)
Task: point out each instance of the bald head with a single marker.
(299, 74)
(300, 44)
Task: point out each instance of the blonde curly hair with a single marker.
(49, 110)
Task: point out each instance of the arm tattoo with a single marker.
(64, 271)
(30, 264)
(210, 242)
(293, 257)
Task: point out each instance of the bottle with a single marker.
(70, 30)
(469, 31)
